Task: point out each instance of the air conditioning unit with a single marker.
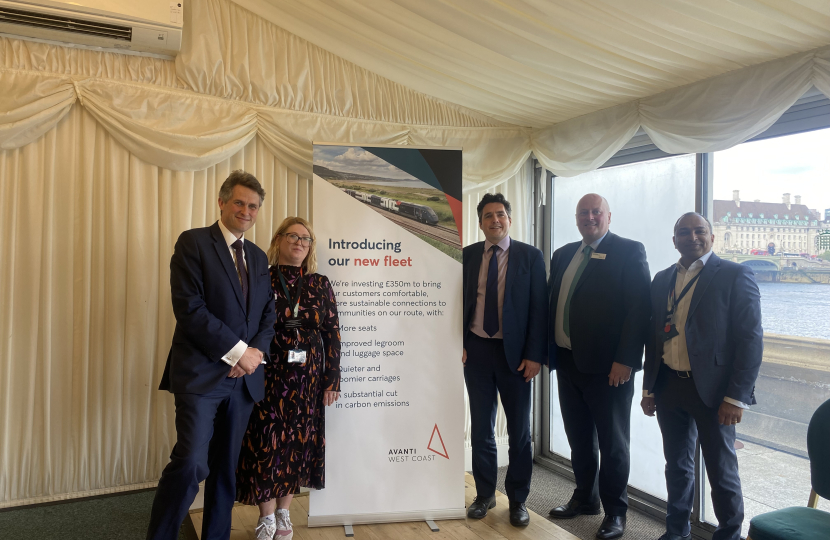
(152, 26)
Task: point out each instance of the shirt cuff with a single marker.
(646, 394)
(233, 355)
(736, 403)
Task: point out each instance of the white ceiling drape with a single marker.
(540, 62)
(239, 75)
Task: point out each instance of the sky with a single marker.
(795, 164)
(356, 160)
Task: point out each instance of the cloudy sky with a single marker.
(796, 164)
(356, 160)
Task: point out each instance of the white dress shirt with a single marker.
(567, 278)
(675, 351)
(233, 355)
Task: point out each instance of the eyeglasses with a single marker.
(584, 213)
(304, 241)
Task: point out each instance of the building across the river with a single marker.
(753, 226)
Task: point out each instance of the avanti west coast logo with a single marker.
(409, 455)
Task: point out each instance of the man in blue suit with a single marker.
(703, 355)
(224, 308)
(599, 317)
(505, 340)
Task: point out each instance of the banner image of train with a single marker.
(399, 197)
(418, 212)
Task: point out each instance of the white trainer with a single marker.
(285, 530)
(265, 529)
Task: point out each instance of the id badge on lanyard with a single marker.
(670, 330)
(295, 355)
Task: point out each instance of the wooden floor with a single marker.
(494, 527)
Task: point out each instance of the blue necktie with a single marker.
(491, 295)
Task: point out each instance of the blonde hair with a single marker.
(310, 261)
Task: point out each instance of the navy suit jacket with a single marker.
(609, 309)
(524, 311)
(211, 316)
(723, 331)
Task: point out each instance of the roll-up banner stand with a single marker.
(388, 227)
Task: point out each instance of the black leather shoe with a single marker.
(574, 508)
(670, 536)
(612, 527)
(518, 514)
(478, 508)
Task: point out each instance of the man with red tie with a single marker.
(224, 308)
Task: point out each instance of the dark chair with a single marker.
(804, 523)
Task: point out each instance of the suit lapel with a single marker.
(224, 254)
(603, 247)
(252, 272)
(709, 270)
(510, 278)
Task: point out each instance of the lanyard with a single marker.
(674, 301)
(292, 302)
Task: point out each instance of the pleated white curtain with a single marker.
(707, 116)
(239, 76)
(85, 303)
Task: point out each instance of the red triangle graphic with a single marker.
(440, 439)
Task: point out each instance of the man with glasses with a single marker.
(224, 309)
(703, 355)
(599, 317)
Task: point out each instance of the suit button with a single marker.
(248, 319)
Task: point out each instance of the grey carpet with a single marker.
(114, 517)
(548, 489)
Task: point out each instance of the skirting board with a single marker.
(390, 517)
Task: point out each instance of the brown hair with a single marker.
(310, 262)
(491, 198)
(244, 179)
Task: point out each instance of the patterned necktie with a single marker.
(491, 295)
(566, 318)
(240, 269)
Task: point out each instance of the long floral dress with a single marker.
(284, 447)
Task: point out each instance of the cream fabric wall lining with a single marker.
(228, 51)
(182, 130)
(46, 58)
(85, 303)
(541, 62)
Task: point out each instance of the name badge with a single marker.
(600, 256)
(296, 356)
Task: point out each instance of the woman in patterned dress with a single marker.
(284, 447)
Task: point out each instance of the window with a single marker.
(795, 374)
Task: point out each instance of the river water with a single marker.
(796, 309)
